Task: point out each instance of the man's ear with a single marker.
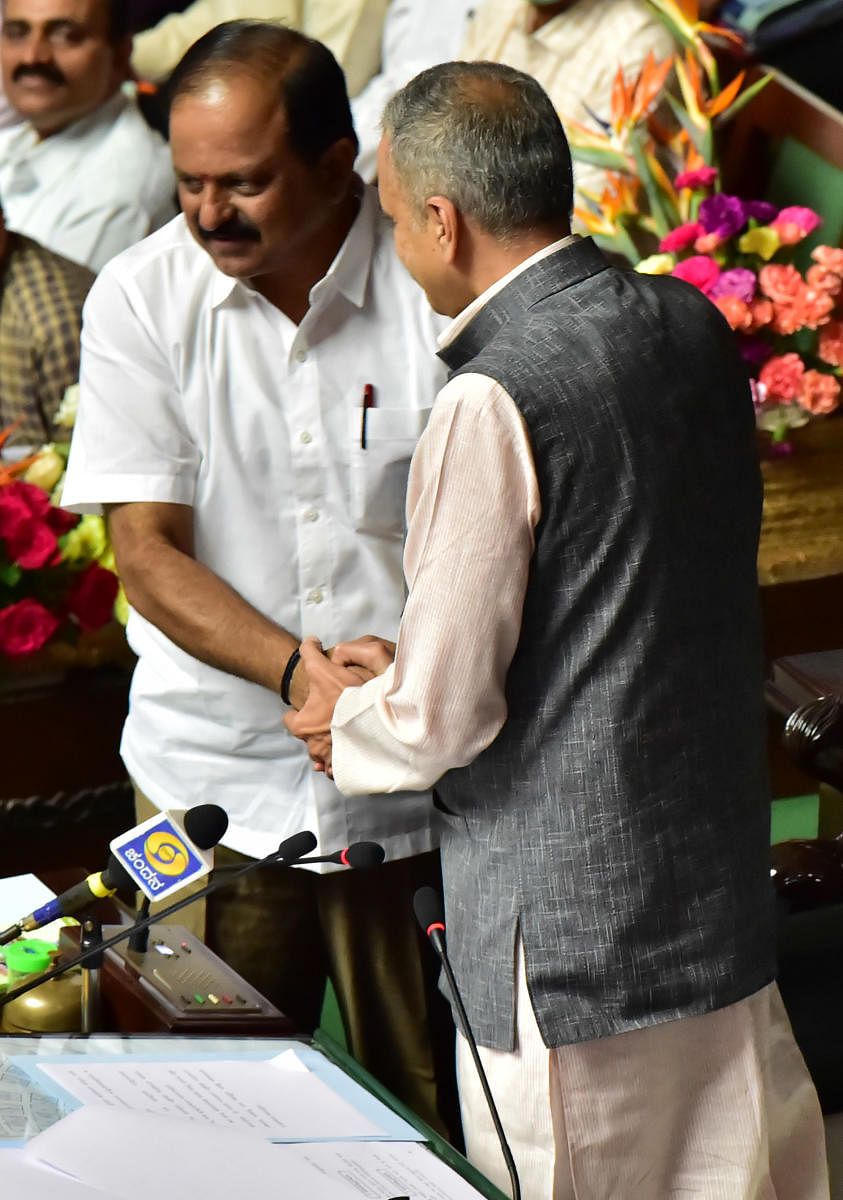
(336, 167)
(122, 57)
(444, 219)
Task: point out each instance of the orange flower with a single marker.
(736, 312)
(819, 393)
(830, 347)
(761, 313)
(787, 318)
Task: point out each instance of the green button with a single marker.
(199, 999)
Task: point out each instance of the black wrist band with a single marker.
(287, 677)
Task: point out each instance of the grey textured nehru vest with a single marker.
(620, 820)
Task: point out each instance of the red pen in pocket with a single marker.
(368, 402)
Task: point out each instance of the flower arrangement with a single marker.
(663, 211)
(57, 577)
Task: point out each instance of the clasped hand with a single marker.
(350, 664)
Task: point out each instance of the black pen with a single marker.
(368, 402)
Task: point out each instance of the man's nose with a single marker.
(215, 207)
(36, 49)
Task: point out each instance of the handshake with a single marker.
(328, 674)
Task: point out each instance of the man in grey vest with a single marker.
(579, 666)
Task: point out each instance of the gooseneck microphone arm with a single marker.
(430, 914)
(287, 854)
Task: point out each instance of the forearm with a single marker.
(196, 609)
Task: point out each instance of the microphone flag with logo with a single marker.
(159, 856)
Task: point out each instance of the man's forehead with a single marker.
(80, 12)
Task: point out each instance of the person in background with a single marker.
(574, 49)
(578, 675)
(84, 174)
(41, 298)
(254, 379)
(8, 116)
(351, 29)
(416, 34)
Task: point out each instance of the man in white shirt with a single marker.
(351, 29)
(254, 379)
(84, 174)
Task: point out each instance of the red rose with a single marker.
(34, 545)
(14, 512)
(25, 627)
(35, 498)
(61, 521)
(91, 598)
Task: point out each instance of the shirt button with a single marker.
(315, 596)
(305, 437)
(301, 355)
(310, 514)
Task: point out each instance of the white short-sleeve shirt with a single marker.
(92, 189)
(196, 390)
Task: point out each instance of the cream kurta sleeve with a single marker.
(473, 505)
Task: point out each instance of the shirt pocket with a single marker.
(379, 470)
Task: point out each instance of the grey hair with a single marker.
(487, 137)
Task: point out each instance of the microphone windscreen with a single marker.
(205, 825)
(295, 847)
(361, 855)
(428, 907)
(116, 876)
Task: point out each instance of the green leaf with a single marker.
(10, 573)
(699, 135)
(655, 195)
(610, 160)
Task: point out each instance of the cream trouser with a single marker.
(719, 1107)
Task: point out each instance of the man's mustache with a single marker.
(38, 71)
(233, 230)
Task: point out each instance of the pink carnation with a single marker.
(819, 393)
(781, 283)
(700, 270)
(814, 307)
(787, 318)
(795, 223)
(823, 280)
(782, 377)
(681, 237)
(830, 346)
(700, 178)
(829, 257)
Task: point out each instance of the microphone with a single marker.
(288, 854)
(360, 855)
(170, 850)
(430, 914)
(203, 825)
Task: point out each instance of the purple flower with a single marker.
(761, 211)
(722, 214)
(738, 282)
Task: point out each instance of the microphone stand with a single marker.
(282, 856)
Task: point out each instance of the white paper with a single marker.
(23, 1179)
(132, 1156)
(257, 1096)
(379, 1169)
